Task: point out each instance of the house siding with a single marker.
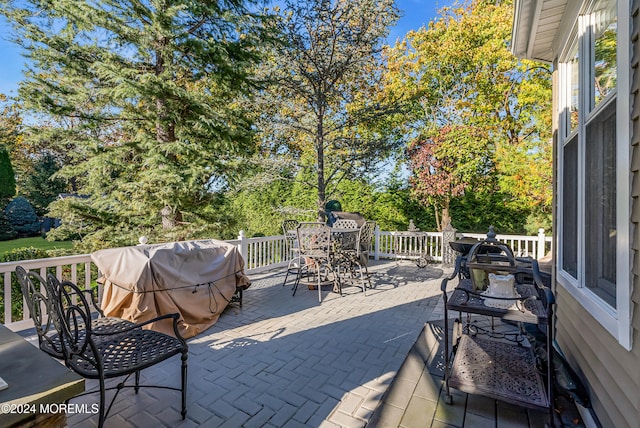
(609, 371)
(635, 195)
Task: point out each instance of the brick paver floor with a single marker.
(283, 361)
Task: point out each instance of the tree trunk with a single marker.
(446, 217)
(320, 162)
(170, 218)
(165, 133)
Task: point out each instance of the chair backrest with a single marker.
(366, 236)
(41, 309)
(344, 223)
(73, 322)
(289, 228)
(359, 218)
(314, 236)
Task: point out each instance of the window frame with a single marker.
(617, 321)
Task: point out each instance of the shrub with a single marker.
(32, 253)
(15, 255)
(27, 253)
(23, 217)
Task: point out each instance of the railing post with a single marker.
(376, 244)
(448, 235)
(243, 246)
(541, 243)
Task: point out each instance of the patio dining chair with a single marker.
(345, 223)
(314, 242)
(364, 242)
(355, 259)
(291, 237)
(95, 354)
(38, 301)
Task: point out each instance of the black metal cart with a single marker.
(486, 360)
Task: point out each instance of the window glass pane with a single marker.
(600, 204)
(605, 36)
(574, 89)
(570, 208)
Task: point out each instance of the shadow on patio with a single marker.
(289, 361)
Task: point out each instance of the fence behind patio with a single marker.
(260, 254)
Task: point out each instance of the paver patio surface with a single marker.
(283, 361)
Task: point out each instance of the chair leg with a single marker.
(362, 277)
(319, 269)
(294, 263)
(137, 381)
(297, 281)
(101, 416)
(287, 274)
(336, 278)
(185, 355)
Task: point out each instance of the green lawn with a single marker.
(36, 242)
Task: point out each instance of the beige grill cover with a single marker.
(195, 279)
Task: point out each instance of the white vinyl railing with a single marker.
(522, 246)
(260, 254)
(400, 245)
(74, 268)
(263, 253)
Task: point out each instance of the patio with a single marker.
(283, 361)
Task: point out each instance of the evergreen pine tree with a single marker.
(7, 190)
(144, 96)
(7, 178)
(6, 230)
(40, 186)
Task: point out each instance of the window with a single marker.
(570, 211)
(574, 105)
(593, 244)
(600, 205)
(604, 34)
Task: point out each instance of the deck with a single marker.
(352, 361)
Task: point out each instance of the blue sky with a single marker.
(415, 14)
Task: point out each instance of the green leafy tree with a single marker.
(448, 165)
(476, 211)
(146, 93)
(23, 217)
(394, 206)
(321, 109)
(460, 74)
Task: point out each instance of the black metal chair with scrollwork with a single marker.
(96, 354)
(37, 297)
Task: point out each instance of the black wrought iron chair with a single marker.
(289, 228)
(314, 241)
(101, 355)
(37, 297)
